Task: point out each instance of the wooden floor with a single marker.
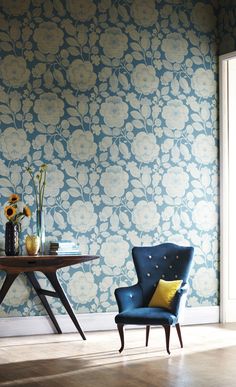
(207, 359)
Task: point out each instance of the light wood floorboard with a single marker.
(207, 359)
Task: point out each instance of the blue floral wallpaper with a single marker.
(119, 98)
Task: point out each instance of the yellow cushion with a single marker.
(164, 293)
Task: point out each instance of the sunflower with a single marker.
(10, 212)
(26, 211)
(14, 198)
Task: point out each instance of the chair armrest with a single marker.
(179, 301)
(129, 297)
(183, 289)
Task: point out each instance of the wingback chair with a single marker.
(154, 266)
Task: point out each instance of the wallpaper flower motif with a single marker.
(119, 100)
(14, 71)
(49, 108)
(114, 42)
(48, 37)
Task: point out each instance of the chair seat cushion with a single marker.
(146, 316)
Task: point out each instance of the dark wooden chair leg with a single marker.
(147, 334)
(9, 279)
(177, 326)
(167, 333)
(120, 328)
(52, 277)
(33, 280)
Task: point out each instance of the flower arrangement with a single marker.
(14, 211)
(39, 184)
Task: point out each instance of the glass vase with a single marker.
(11, 239)
(41, 230)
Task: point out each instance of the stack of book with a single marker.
(64, 248)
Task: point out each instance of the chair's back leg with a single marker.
(167, 333)
(120, 328)
(147, 334)
(177, 326)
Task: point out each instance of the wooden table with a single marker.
(48, 265)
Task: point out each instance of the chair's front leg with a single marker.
(167, 333)
(177, 326)
(147, 334)
(120, 328)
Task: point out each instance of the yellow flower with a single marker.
(14, 198)
(10, 212)
(26, 211)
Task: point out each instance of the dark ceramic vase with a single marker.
(11, 239)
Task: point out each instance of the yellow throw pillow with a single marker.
(164, 293)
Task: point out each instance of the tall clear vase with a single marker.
(41, 230)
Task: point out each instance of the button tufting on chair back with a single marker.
(167, 261)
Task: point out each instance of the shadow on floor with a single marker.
(212, 368)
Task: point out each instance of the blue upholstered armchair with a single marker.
(167, 262)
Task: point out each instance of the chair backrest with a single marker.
(166, 261)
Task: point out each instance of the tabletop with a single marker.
(49, 263)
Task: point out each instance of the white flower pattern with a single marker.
(81, 10)
(144, 79)
(205, 282)
(115, 181)
(14, 144)
(175, 114)
(55, 181)
(18, 293)
(145, 147)
(15, 7)
(175, 47)
(203, 83)
(114, 111)
(204, 149)
(49, 108)
(144, 12)
(115, 251)
(13, 71)
(82, 288)
(176, 181)
(205, 215)
(145, 216)
(81, 75)
(48, 37)
(203, 17)
(114, 42)
(81, 216)
(81, 145)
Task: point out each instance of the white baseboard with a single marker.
(33, 325)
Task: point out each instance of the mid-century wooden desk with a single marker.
(48, 265)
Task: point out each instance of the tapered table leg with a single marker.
(9, 279)
(33, 280)
(52, 277)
